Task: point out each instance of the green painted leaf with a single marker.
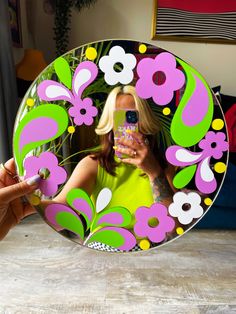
(190, 124)
(183, 177)
(63, 71)
(108, 237)
(81, 202)
(70, 222)
(39, 126)
(115, 216)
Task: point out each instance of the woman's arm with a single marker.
(162, 185)
(83, 176)
(161, 190)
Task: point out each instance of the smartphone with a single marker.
(124, 119)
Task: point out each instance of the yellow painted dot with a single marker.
(144, 244)
(217, 124)
(34, 200)
(207, 201)
(142, 48)
(220, 167)
(91, 53)
(166, 111)
(179, 230)
(30, 102)
(71, 129)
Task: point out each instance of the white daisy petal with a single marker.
(178, 197)
(125, 77)
(103, 63)
(194, 198)
(173, 210)
(185, 217)
(198, 212)
(118, 55)
(110, 78)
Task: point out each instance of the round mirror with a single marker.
(130, 143)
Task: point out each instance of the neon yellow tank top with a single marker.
(129, 188)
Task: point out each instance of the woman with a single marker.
(138, 180)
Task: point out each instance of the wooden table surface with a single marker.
(43, 272)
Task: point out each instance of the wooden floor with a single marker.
(43, 272)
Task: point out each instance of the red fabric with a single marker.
(230, 117)
(199, 6)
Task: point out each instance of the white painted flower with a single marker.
(117, 55)
(186, 207)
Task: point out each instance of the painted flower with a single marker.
(57, 174)
(161, 93)
(144, 216)
(84, 113)
(214, 144)
(117, 56)
(186, 207)
(82, 110)
(105, 225)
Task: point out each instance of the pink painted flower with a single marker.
(214, 144)
(57, 174)
(157, 233)
(82, 108)
(84, 113)
(161, 93)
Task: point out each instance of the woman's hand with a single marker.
(12, 207)
(139, 154)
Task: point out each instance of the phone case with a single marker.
(120, 129)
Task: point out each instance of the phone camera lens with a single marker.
(131, 116)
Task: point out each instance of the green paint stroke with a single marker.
(70, 222)
(183, 177)
(54, 114)
(108, 237)
(181, 133)
(81, 203)
(63, 71)
(103, 219)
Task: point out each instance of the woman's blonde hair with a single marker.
(148, 122)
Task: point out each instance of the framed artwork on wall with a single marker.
(15, 22)
(191, 20)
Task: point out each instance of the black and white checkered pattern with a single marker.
(103, 247)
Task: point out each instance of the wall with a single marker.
(26, 35)
(132, 20)
(37, 30)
